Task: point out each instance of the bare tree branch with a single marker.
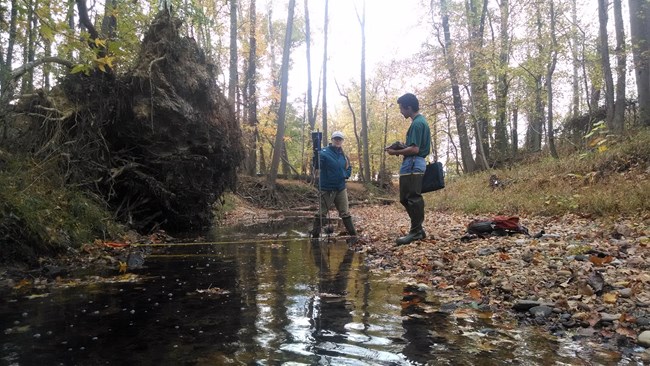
(18, 72)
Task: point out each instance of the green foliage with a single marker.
(227, 203)
(597, 137)
(38, 211)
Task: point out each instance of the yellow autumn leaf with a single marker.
(100, 42)
(610, 297)
(602, 148)
(22, 283)
(107, 60)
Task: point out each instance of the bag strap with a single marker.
(431, 146)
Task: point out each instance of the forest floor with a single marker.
(583, 277)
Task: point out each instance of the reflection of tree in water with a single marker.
(420, 329)
(334, 311)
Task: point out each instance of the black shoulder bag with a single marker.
(434, 177)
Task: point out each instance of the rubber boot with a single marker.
(349, 226)
(315, 232)
(411, 199)
(412, 236)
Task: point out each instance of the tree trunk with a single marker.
(604, 60)
(382, 164)
(30, 47)
(324, 116)
(232, 73)
(47, 68)
(536, 126)
(575, 104)
(500, 130)
(478, 78)
(465, 149)
(284, 82)
(263, 167)
(640, 32)
(70, 20)
(286, 170)
(364, 112)
(7, 67)
(251, 78)
(514, 133)
(311, 115)
(109, 22)
(619, 105)
(549, 82)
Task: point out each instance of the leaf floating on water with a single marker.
(213, 291)
(115, 244)
(121, 267)
(37, 296)
(22, 283)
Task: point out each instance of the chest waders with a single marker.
(316, 139)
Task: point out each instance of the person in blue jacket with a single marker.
(335, 168)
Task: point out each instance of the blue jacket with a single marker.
(335, 168)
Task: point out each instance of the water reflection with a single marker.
(285, 302)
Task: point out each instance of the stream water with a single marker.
(252, 301)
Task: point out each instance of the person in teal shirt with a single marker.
(335, 169)
(418, 146)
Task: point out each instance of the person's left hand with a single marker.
(391, 152)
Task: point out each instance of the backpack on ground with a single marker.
(498, 226)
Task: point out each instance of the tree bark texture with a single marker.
(284, 83)
(364, 106)
(469, 164)
(311, 114)
(604, 60)
(324, 107)
(232, 71)
(640, 32)
(500, 129)
(251, 86)
(575, 81)
(476, 12)
(549, 81)
(618, 121)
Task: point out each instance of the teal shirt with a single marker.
(419, 135)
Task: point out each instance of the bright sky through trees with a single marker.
(393, 31)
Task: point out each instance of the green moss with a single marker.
(40, 215)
